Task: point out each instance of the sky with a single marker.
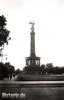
(48, 16)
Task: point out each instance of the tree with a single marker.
(10, 68)
(6, 70)
(4, 33)
(3, 71)
(17, 71)
(49, 67)
(43, 69)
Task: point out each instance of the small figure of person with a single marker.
(10, 76)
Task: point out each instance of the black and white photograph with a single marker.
(31, 49)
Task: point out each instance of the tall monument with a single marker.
(32, 61)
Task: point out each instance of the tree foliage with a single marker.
(17, 71)
(10, 68)
(48, 69)
(6, 70)
(4, 33)
(3, 71)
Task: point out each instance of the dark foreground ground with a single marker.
(35, 90)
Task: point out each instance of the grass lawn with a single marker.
(41, 77)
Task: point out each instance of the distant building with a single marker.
(32, 62)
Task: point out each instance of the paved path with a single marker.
(30, 82)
